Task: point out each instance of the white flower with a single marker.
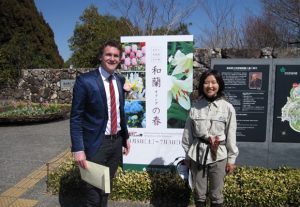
(179, 90)
(137, 85)
(183, 63)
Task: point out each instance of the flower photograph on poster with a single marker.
(180, 82)
(136, 82)
(135, 113)
(133, 56)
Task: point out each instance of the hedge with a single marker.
(20, 112)
(245, 187)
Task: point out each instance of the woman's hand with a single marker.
(230, 168)
(187, 162)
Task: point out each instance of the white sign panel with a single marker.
(160, 72)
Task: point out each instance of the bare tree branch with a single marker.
(153, 15)
(286, 14)
(224, 31)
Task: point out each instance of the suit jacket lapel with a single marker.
(102, 90)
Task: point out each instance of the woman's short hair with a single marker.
(219, 79)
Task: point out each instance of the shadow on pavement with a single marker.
(72, 193)
(67, 201)
(174, 193)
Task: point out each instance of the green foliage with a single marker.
(90, 34)
(65, 180)
(8, 73)
(26, 40)
(28, 109)
(163, 187)
(246, 187)
(176, 112)
(132, 186)
(144, 186)
(262, 187)
(184, 47)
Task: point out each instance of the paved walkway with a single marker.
(24, 152)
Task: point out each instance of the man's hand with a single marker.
(80, 158)
(230, 168)
(126, 149)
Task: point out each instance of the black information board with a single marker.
(246, 87)
(286, 121)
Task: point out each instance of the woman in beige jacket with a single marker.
(209, 140)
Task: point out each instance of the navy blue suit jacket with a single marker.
(89, 114)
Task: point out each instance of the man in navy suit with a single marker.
(90, 123)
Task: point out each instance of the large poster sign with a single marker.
(246, 87)
(159, 70)
(286, 123)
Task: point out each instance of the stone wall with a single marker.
(44, 85)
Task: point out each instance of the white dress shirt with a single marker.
(105, 75)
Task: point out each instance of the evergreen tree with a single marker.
(26, 40)
(95, 29)
(90, 34)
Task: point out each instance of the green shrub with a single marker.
(20, 109)
(256, 186)
(161, 188)
(144, 186)
(65, 180)
(259, 187)
(13, 112)
(8, 76)
(131, 186)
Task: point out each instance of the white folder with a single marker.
(96, 175)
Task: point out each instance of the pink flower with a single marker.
(134, 48)
(123, 56)
(132, 55)
(127, 49)
(139, 54)
(124, 67)
(143, 60)
(144, 50)
(127, 61)
(133, 61)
